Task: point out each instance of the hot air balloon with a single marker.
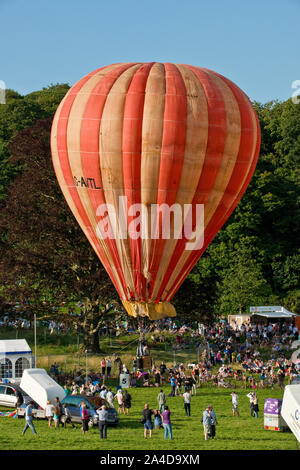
(137, 149)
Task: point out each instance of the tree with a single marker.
(43, 250)
(20, 112)
(243, 285)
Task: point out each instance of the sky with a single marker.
(255, 43)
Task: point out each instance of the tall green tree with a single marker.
(20, 112)
(43, 250)
(242, 286)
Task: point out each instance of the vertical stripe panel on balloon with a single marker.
(194, 154)
(152, 134)
(171, 161)
(74, 152)
(90, 159)
(239, 181)
(229, 159)
(111, 162)
(62, 166)
(213, 158)
(131, 149)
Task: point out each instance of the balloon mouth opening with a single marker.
(154, 311)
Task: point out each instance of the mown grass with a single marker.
(233, 433)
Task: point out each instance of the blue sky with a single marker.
(255, 43)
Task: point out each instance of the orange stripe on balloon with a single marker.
(244, 168)
(131, 151)
(212, 161)
(172, 156)
(62, 150)
(90, 156)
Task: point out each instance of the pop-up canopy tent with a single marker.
(15, 356)
(273, 312)
(276, 312)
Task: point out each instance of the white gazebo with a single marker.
(275, 312)
(15, 356)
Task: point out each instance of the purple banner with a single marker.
(272, 406)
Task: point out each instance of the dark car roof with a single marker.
(95, 401)
(90, 399)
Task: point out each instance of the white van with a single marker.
(290, 410)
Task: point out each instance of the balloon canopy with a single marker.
(152, 159)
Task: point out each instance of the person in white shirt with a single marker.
(235, 409)
(187, 397)
(120, 399)
(108, 367)
(102, 423)
(251, 397)
(49, 413)
(110, 398)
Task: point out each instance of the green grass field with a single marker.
(233, 433)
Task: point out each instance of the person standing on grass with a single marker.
(187, 397)
(161, 398)
(167, 423)
(173, 385)
(213, 422)
(127, 401)
(84, 418)
(49, 413)
(103, 369)
(280, 377)
(157, 419)
(255, 406)
(120, 399)
(206, 420)
(251, 397)
(29, 419)
(102, 423)
(147, 418)
(235, 403)
(108, 367)
(110, 398)
(57, 412)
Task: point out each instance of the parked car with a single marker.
(92, 404)
(73, 404)
(8, 397)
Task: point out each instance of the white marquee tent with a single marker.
(15, 356)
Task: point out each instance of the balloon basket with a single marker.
(154, 311)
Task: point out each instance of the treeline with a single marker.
(253, 260)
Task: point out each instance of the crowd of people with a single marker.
(253, 355)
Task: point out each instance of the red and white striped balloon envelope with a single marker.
(152, 159)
